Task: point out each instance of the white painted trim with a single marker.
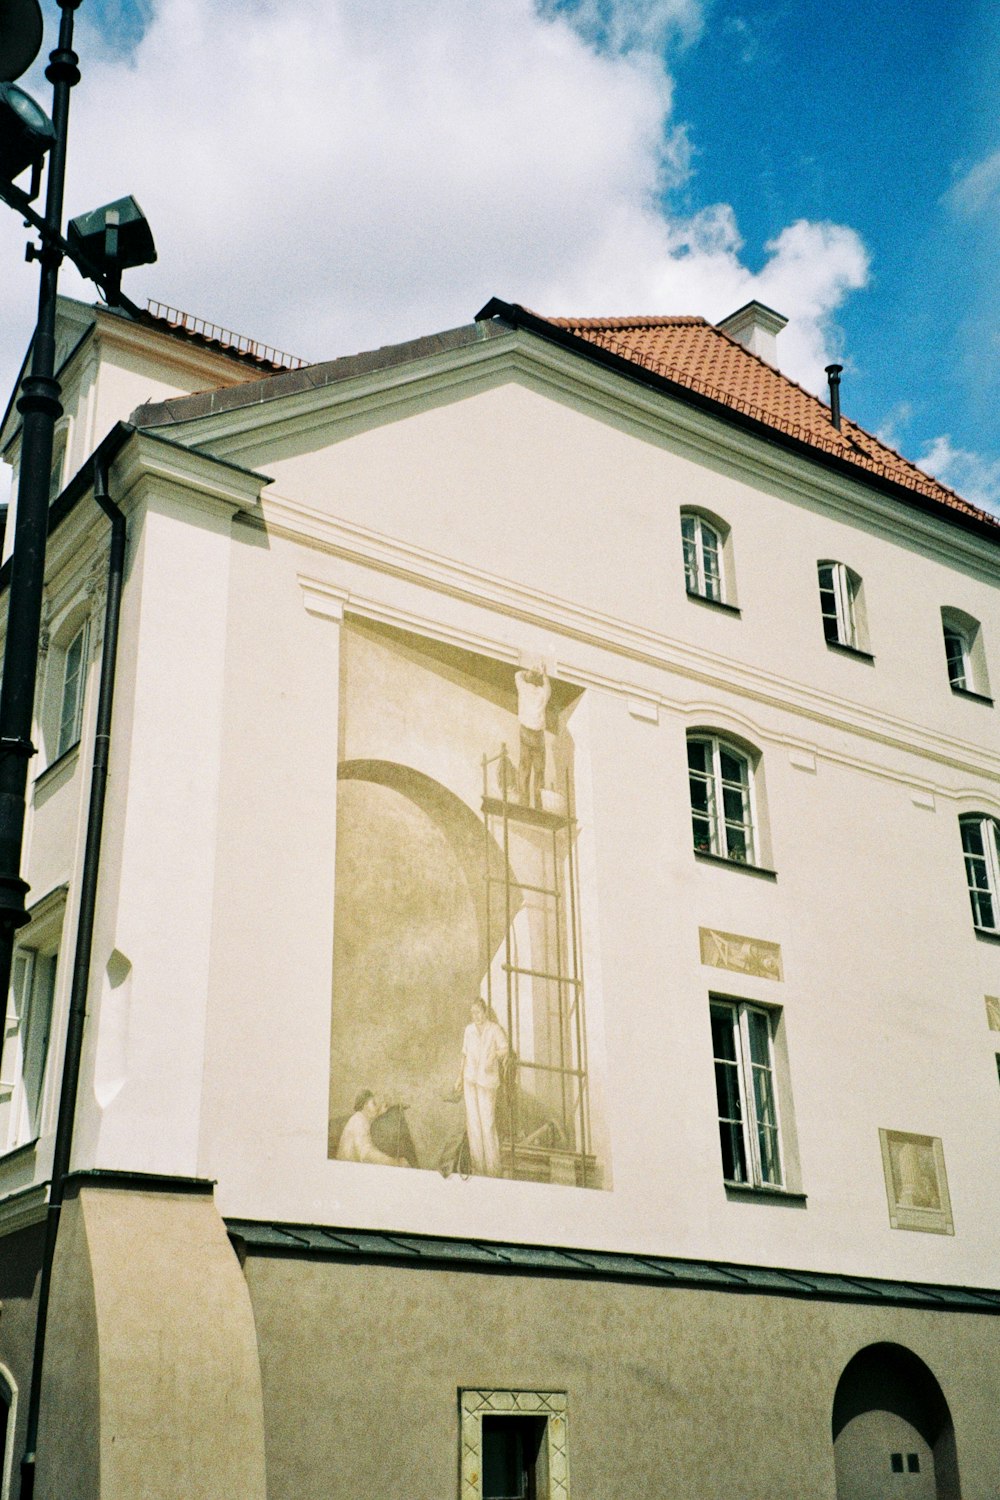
(635, 642)
(7, 1457)
(390, 391)
(323, 599)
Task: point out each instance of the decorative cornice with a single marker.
(633, 642)
(213, 481)
(23, 1209)
(387, 392)
(491, 1258)
(323, 599)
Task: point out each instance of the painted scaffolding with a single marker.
(535, 984)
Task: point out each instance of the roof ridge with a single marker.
(652, 320)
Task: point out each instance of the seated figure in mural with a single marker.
(356, 1142)
(484, 1053)
(533, 692)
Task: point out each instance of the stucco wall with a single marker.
(503, 513)
(670, 1393)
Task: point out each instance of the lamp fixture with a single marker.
(26, 132)
(114, 236)
(20, 36)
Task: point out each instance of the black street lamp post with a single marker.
(25, 137)
(40, 409)
(101, 244)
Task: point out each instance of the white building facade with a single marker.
(702, 1194)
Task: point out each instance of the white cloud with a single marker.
(975, 478)
(978, 188)
(630, 25)
(892, 428)
(326, 175)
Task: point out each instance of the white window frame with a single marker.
(750, 1083)
(981, 850)
(719, 792)
(8, 1385)
(26, 1050)
(57, 469)
(958, 658)
(703, 545)
(965, 656)
(72, 691)
(838, 589)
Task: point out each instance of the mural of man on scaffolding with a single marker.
(533, 693)
(457, 924)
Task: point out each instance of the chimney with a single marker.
(756, 327)
(833, 374)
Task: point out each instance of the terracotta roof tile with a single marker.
(696, 354)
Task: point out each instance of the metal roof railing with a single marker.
(238, 343)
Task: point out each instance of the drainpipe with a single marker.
(81, 959)
(833, 375)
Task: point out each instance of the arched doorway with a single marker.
(892, 1430)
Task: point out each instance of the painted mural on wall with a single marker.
(916, 1183)
(460, 1040)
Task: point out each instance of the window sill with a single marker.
(763, 1190)
(734, 864)
(55, 766)
(13, 1152)
(988, 934)
(855, 651)
(961, 692)
(727, 609)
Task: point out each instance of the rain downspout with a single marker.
(81, 959)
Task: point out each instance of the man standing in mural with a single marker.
(356, 1142)
(484, 1053)
(533, 691)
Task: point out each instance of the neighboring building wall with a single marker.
(20, 1260)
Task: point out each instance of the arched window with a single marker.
(981, 846)
(839, 592)
(64, 693)
(705, 563)
(58, 466)
(720, 775)
(74, 663)
(964, 653)
(957, 654)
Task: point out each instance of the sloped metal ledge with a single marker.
(426, 1251)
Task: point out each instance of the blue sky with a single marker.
(873, 116)
(331, 174)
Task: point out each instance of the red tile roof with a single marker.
(694, 353)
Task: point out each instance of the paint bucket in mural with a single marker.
(553, 801)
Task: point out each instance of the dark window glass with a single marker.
(510, 1456)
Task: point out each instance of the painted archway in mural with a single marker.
(410, 948)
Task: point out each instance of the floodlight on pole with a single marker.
(113, 238)
(26, 134)
(20, 36)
